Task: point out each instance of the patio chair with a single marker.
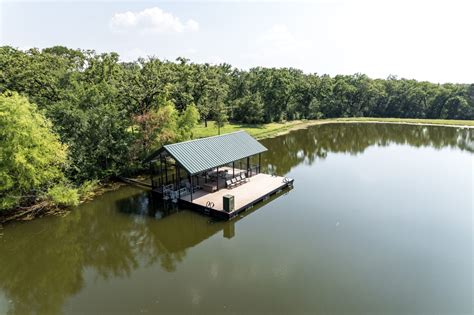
(239, 180)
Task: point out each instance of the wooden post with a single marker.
(191, 185)
(259, 162)
(217, 181)
(233, 169)
(151, 174)
(161, 172)
(247, 173)
(163, 169)
(177, 176)
(166, 170)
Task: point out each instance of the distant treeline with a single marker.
(107, 115)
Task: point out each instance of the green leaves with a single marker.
(63, 195)
(250, 109)
(187, 121)
(31, 156)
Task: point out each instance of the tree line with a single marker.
(89, 116)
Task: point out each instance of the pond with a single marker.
(379, 221)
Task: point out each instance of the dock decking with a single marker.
(258, 188)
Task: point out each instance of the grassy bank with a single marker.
(274, 129)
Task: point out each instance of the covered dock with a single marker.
(219, 176)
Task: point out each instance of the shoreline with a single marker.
(44, 209)
(307, 124)
(276, 129)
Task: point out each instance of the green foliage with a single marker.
(31, 155)
(166, 128)
(63, 195)
(187, 121)
(111, 114)
(249, 109)
(88, 188)
(220, 116)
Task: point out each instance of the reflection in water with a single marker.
(43, 262)
(308, 145)
(53, 256)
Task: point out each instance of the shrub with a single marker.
(86, 190)
(63, 195)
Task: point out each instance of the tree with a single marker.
(32, 158)
(187, 121)
(249, 109)
(183, 83)
(144, 83)
(220, 116)
(455, 108)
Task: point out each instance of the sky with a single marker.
(418, 39)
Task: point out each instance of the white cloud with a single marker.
(151, 20)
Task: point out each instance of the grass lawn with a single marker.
(258, 131)
(273, 129)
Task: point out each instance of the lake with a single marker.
(380, 221)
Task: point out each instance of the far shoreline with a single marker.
(276, 129)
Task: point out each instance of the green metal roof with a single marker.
(206, 153)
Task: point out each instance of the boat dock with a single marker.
(218, 176)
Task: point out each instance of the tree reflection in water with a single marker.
(308, 145)
(44, 262)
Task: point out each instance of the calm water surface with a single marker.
(379, 221)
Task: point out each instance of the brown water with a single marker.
(379, 221)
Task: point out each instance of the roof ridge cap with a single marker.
(216, 136)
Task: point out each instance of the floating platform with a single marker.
(258, 188)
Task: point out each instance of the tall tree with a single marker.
(32, 158)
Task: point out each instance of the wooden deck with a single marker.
(258, 188)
